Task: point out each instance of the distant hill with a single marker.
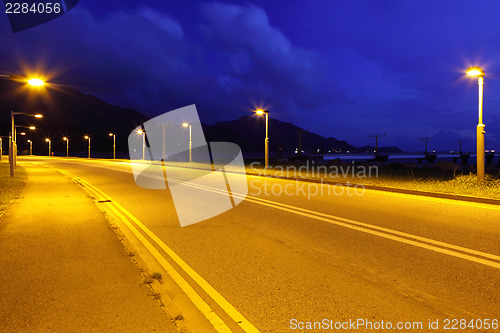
(249, 133)
(67, 112)
(70, 113)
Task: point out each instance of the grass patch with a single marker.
(156, 276)
(428, 178)
(10, 187)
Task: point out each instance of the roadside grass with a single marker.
(416, 179)
(10, 187)
(426, 178)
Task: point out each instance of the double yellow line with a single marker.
(131, 222)
(399, 236)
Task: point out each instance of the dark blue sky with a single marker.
(340, 68)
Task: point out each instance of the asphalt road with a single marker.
(282, 259)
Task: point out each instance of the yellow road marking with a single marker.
(216, 321)
(372, 229)
(414, 240)
(381, 192)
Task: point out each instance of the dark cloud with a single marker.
(341, 68)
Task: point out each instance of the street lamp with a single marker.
(261, 112)
(23, 133)
(190, 141)
(13, 144)
(31, 147)
(67, 146)
(49, 142)
(477, 71)
(88, 138)
(36, 82)
(114, 144)
(140, 131)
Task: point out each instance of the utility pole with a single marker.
(299, 132)
(164, 126)
(376, 136)
(425, 140)
(460, 141)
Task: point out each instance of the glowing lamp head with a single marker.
(38, 116)
(86, 137)
(111, 134)
(29, 140)
(185, 125)
(260, 112)
(47, 140)
(36, 82)
(475, 71)
(139, 131)
(32, 128)
(22, 133)
(65, 139)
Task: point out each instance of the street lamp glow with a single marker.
(88, 138)
(36, 82)
(139, 131)
(261, 112)
(65, 139)
(32, 128)
(47, 140)
(114, 144)
(475, 71)
(38, 116)
(22, 133)
(190, 141)
(479, 73)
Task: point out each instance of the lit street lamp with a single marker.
(114, 144)
(88, 138)
(67, 146)
(49, 142)
(13, 144)
(190, 141)
(261, 112)
(477, 71)
(140, 131)
(31, 147)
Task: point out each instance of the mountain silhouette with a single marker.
(72, 114)
(66, 112)
(249, 133)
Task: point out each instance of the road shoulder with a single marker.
(64, 269)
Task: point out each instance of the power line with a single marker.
(376, 136)
(460, 141)
(426, 140)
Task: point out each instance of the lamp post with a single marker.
(67, 146)
(114, 144)
(13, 144)
(140, 131)
(31, 147)
(477, 71)
(190, 141)
(88, 138)
(49, 142)
(261, 112)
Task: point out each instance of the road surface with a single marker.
(278, 263)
